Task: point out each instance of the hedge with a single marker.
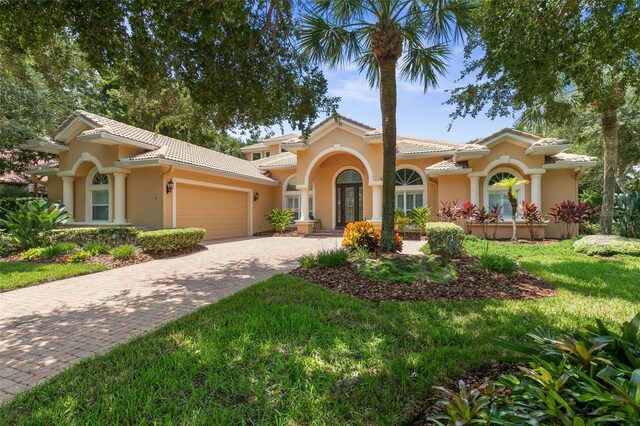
(7, 244)
(444, 239)
(12, 204)
(112, 235)
(170, 239)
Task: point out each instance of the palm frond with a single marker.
(425, 64)
(368, 65)
(325, 42)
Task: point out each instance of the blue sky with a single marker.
(419, 114)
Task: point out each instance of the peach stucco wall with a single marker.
(144, 195)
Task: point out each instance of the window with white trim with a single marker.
(499, 195)
(99, 197)
(409, 190)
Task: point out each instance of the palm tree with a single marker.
(376, 34)
(512, 195)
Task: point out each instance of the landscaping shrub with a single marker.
(626, 215)
(49, 252)
(12, 204)
(496, 263)
(420, 217)
(568, 214)
(467, 211)
(607, 245)
(111, 235)
(170, 239)
(14, 191)
(29, 223)
(449, 212)
(486, 218)
(589, 377)
(532, 217)
(444, 239)
(402, 222)
(361, 253)
(280, 218)
(361, 234)
(7, 244)
(123, 252)
(80, 256)
(307, 261)
(329, 258)
(97, 248)
(588, 228)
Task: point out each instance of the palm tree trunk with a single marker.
(610, 140)
(514, 229)
(388, 103)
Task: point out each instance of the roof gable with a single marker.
(501, 135)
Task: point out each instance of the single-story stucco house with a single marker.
(111, 173)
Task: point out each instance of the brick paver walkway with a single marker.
(46, 328)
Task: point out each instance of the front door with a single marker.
(348, 198)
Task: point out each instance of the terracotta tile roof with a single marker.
(413, 146)
(254, 146)
(264, 144)
(174, 149)
(280, 161)
(448, 165)
(11, 178)
(507, 130)
(342, 118)
(569, 158)
(551, 142)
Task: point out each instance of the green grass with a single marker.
(289, 352)
(21, 274)
(406, 269)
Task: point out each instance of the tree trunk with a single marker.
(610, 140)
(514, 209)
(388, 103)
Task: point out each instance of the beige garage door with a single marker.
(223, 213)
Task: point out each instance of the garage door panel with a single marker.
(223, 213)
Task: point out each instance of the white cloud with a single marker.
(354, 90)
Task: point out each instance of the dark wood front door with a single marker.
(348, 203)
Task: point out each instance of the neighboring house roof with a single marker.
(171, 149)
(11, 178)
(264, 144)
(284, 160)
(566, 158)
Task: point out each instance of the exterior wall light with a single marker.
(256, 196)
(170, 185)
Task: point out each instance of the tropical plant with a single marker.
(280, 218)
(510, 185)
(29, 224)
(626, 216)
(402, 222)
(375, 35)
(11, 191)
(495, 216)
(123, 252)
(588, 377)
(575, 63)
(449, 211)
(420, 217)
(568, 214)
(532, 217)
(80, 256)
(361, 234)
(467, 212)
(97, 248)
(332, 258)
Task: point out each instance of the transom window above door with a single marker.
(409, 190)
(349, 176)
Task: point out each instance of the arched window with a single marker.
(292, 197)
(499, 195)
(98, 197)
(349, 176)
(409, 189)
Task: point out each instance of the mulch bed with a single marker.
(422, 410)
(278, 234)
(175, 253)
(472, 284)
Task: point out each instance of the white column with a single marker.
(119, 197)
(536, 190)
(475, 189)
(376, 200)
(304, 204)
(67, 195)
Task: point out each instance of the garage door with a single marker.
(222, 212)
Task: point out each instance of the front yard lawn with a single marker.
(21, 274)
(290, 352)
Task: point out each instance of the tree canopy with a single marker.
(237, 59)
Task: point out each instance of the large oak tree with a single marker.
(550, 55)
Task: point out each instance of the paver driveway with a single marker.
(46, 328)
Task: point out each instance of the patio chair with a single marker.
(317, 223)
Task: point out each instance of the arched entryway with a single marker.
(348, 202)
